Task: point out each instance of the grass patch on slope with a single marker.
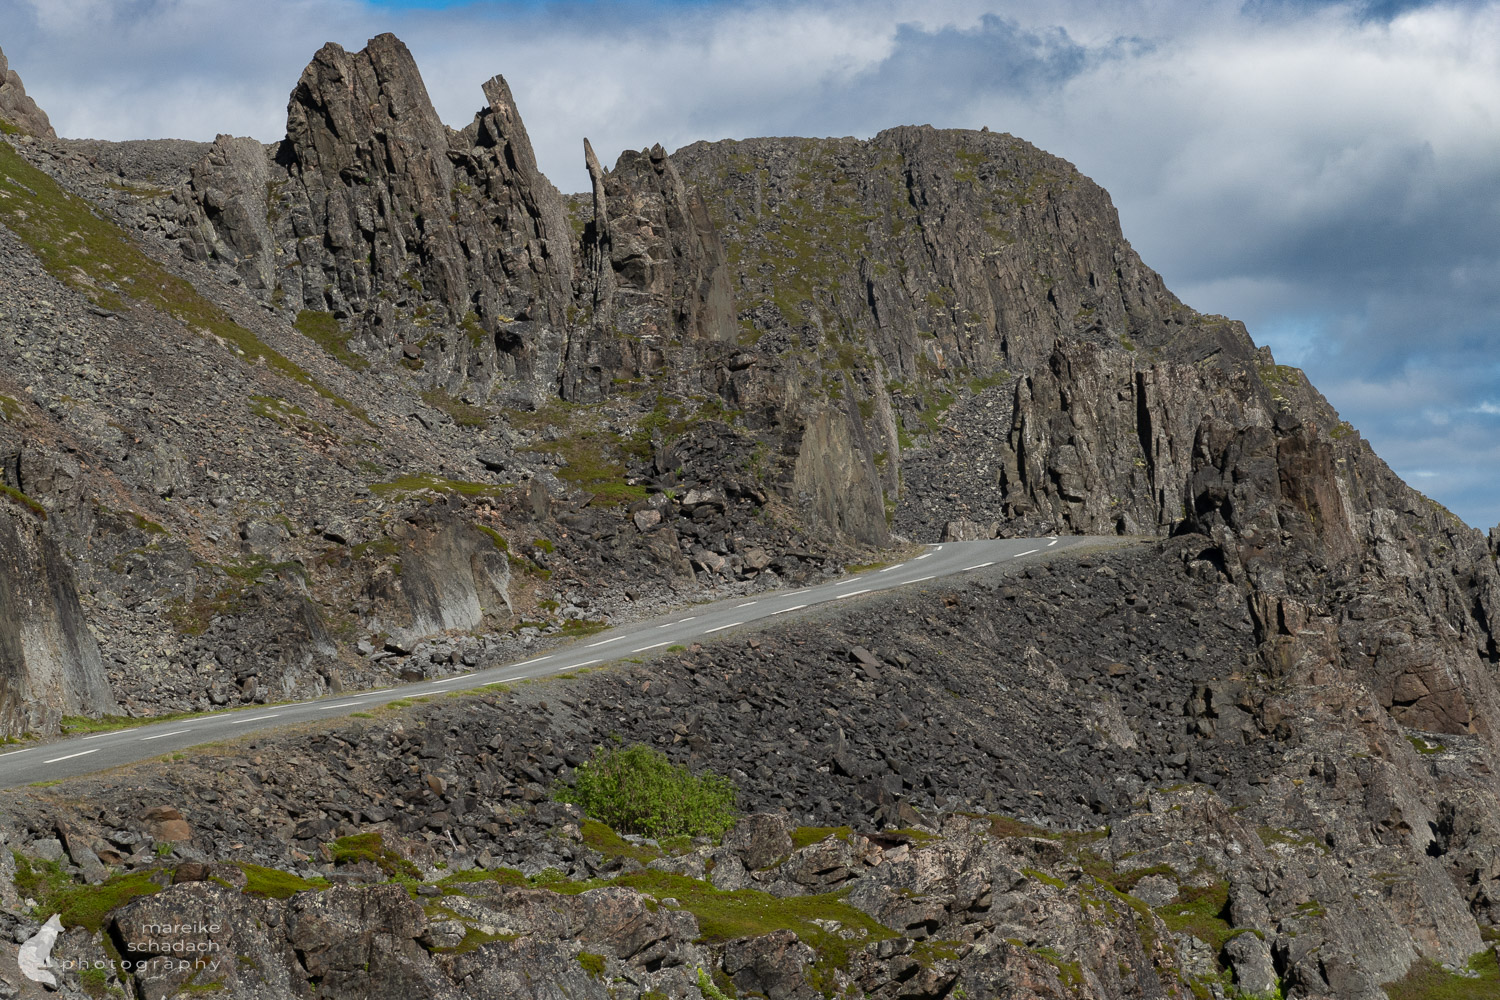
(78, 905)
(324, 330)
(98, 259)
(1429, 981)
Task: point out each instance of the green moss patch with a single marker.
(806, 836)
(592, 964)
(99, 260)
(371, 847)
(610, 844)
(427, 482)
(1200, 911)
(79, 905)
(273, 883)
(1429, 981)
(324, 330)
(463, 414)
(15, 496)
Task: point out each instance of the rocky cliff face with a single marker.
(377, 402)
(19, 112)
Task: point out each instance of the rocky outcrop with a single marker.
(373, 210)
(49, 660)
(17, 110)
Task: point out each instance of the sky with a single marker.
(1328, 172)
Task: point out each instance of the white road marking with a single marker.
(844, 597)
(98, 735)
(576, 666)
(721, 628)
(978, 566)
(380, 691)
(450, 680)
(539, 659)
(783, 611)
(258, 718)
(1051, 543)
(1026, 553)
(889, 568)
(924, 555)
(160, 736)
(924, 579)
(657, 646)
(9, 752)
(678, 622)
(605, 642)
(70, 756)
(746, 604)
(853, 579)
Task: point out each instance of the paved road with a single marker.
(82, 754)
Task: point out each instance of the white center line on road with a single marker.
(70, 756)
(605, 642)
(796, 607)
(1051, 543)
(844, 597)
(746, 604)
(539, 659)
(659, 645)
(450, 680)
(8, 753)
(889, 568)
(97, 736)
(978, 566)
(162, 736)
(721, 628)
(924, 555)
(1026, 553)
(258, 718)
(678, 621)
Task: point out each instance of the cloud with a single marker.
(1325, 171)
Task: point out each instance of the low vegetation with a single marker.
(98, 259)
(638, 790)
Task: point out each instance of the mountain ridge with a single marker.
(377, 402)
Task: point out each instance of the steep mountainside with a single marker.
(377, 402)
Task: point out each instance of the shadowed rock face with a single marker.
(17, 109)
(49, 661)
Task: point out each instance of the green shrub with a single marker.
(637, 790)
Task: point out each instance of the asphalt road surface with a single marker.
(82, 754)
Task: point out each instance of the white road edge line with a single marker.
(1051, 543)
(159, 736)
(1026, 553)
(258, 718)
(924, 579)
(605, 642)
(98, 735)
(889, 568)
(721, 628)
(450, 680)
(856, 593)
(657, 646)
(589, 663)
(783, 611)
(70, 756)
(924, 555)
(746, 604)
(978, 566)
